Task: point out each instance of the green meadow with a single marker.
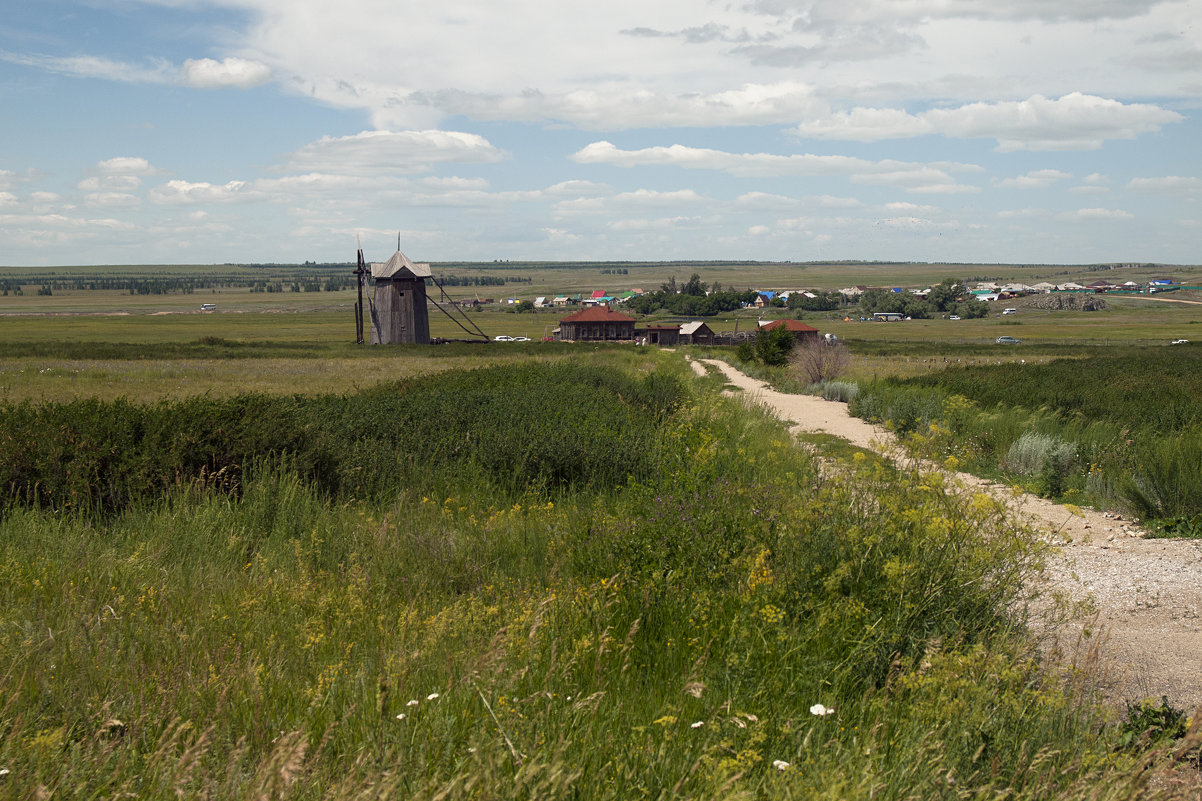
(241, 557)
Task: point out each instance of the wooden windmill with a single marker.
(398, 308)
(398, 300)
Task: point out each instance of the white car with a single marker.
(1180, 342)
(954, 317)
(502, 338)
(520, 339)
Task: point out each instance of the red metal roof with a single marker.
(598, 293)
(792, 325)
(597, 314)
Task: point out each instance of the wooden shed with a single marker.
(665, 335)
(696, 333)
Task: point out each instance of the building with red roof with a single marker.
(596, 324)
(801, 331)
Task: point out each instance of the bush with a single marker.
(1031, 453)
(842, 391)
(553, 425)
(816, 361)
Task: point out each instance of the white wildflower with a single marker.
(401, 716)
(822, 711)
(412, 702)
(780, 764)
(698, 724)
(3, 772)
(431, 696)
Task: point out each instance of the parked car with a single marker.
(1007, 341)
(1009, 311)
(1180, 342)
(520, 339)
(954, 317)
(502, 338)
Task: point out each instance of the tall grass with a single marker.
(1123, 430)
(468, 635)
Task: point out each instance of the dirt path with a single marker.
(1147, 593)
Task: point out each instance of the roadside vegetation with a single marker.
(586, 580)
(1115, 427)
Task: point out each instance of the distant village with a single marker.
(599, 318)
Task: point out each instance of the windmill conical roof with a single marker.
(398, 262)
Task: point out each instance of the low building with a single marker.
(696, 333)
(801, 331)
(596, 324)
(664, 335)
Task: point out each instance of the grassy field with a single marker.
(592, 579)
(203, 595)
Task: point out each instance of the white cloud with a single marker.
(579, 188)
(179, 192)
(1036, 179)
(44, 197)
(1098, 214)
(912, 208)
(126, 165)
(759, 230)
(627, 201)
(93, 67)
(115, 199)
(8, 199)
(385, 152)
(1075, 121)
(114, 183)
(1169, 184)
(934, 177)
(237, 73)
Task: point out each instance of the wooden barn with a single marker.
(696, 333)
(596, 324)
(665, 335)
(398, 309)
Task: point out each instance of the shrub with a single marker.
(815, 361)
(1031, 453)
(843, 391)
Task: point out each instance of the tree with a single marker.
(944, 294)
(669, 286)
(772, 346)
(695, 286)
(524, 306)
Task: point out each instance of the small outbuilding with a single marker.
(696, 333)
(597, 324)
(664, 335)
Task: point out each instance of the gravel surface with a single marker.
(1143, 596)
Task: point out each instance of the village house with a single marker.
(801, 331)
(596, 324)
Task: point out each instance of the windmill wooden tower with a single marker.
(398, 309)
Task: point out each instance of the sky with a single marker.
(242, 131)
